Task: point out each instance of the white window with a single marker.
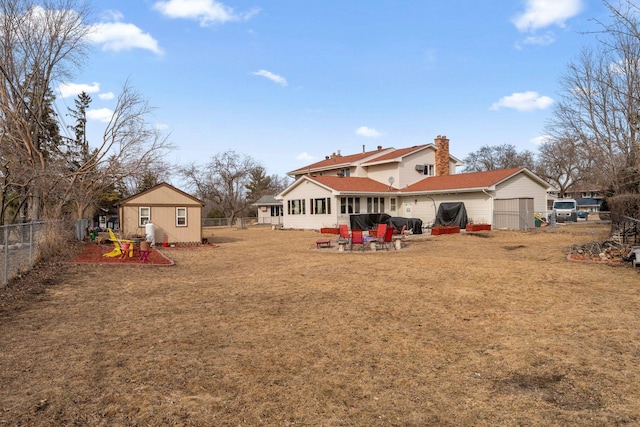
(349, 205)
(429, 170)
(295, 207)
(375, 204)
(320, 206)
(392, 204)
(181, 217)
(144, 216)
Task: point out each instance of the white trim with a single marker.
(178, 216)
(141, 222)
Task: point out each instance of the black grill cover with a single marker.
(367, 221)
(412, 224)
(451, 214)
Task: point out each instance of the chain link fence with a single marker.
(224, 222)
(18, 243)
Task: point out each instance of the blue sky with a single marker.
(289, 82)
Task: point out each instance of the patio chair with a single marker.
(118, 246)
(343, 234)
(384, 238)
(357, 239)
(381, 230)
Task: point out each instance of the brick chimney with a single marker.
(442, 155)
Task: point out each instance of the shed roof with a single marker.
(132, 199)
(268, 200)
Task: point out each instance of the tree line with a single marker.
(50, 172)
(594, 130)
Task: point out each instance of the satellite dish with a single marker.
(391, 181)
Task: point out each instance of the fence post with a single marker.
(6, 256)
(31, 251)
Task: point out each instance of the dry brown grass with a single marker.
(268, 330)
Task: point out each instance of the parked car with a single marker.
(565, 210)
(583, 215)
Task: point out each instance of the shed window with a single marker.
(181, 217)
(144, 216)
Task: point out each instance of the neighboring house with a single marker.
(410, 183)
(588, 196)
(269, 210)
(176, 216)
(588, 204)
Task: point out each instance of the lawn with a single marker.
(486, 329)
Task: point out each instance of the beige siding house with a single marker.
(176, 216)
(409, 182)
(482, 193)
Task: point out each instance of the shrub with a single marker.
(53, 241)
(624, 205)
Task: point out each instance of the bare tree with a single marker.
(40, 43)
(223, 182)
(279, 183)
(563, 163)
(498, 157)
(600, 104)
(130, 147)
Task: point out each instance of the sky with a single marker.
(290, 82)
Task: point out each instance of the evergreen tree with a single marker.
(259, 184)
(78, 148)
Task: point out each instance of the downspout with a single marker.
(435, 211)
(490, 197)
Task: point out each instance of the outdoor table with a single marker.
(323, 243)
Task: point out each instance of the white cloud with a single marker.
(73, 89)
(539, 140)
(523, 101)
(305, 156)
(543, 40)
(107, 96)
(368, 132)
(111, 15)
(206, 12)
(273, 77)
(118, 36)
(100, 114)
(544, 13)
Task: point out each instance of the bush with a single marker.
(624, 205)
(53, 241)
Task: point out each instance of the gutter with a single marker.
(492, 205)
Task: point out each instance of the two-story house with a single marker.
(408, 182)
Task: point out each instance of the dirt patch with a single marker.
(268, 330)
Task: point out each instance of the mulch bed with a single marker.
(92, 253)
(595, 260)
